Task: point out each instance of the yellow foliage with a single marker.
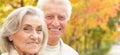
(94, 5)
(86, 14)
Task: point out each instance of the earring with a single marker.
(10, 38)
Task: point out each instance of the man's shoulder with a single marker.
(66, 48)
(69, 50)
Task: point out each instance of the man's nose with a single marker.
(56, 22)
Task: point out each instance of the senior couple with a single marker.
(37, 30)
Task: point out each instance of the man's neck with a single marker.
(53, 43)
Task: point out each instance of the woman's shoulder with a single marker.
(4, 54)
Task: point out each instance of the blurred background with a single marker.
(94, 27)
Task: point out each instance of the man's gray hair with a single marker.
(66, 3)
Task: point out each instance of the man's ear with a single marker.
(11, 37)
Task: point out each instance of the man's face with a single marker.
(55, 17)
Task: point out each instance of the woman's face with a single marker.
(28, 39)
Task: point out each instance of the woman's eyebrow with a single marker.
(26, 25)
(40, 26)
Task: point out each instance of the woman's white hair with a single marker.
(13, 23)
(66, 3)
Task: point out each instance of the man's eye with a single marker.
(49, 17)
(61, 18)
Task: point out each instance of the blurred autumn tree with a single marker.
(91, 29)
(6, 6)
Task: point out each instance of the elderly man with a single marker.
(57, 14)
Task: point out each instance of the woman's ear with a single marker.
(10, 37)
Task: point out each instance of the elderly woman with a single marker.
(24, 32)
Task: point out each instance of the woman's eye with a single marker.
(39, 30)
(27, 29)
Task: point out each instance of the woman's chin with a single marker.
(32, 51)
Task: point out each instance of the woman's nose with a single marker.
(34, 35)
